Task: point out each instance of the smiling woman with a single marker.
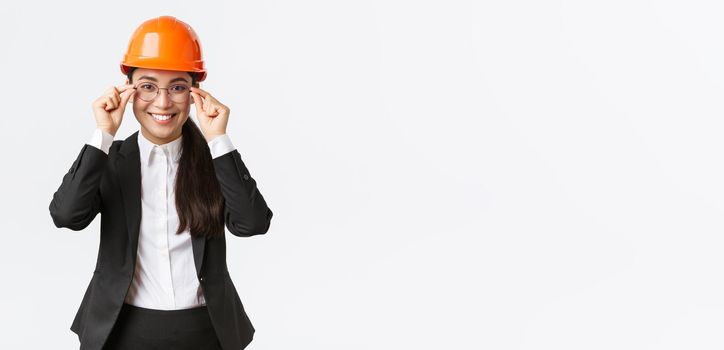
(165, 194)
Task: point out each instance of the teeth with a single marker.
(161, 116)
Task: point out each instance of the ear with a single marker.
(130, 100)
(191, 97)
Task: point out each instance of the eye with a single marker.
(147, 87)
(179, 88)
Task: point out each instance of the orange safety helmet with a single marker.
(165, 43)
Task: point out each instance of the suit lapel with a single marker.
(129, 176)
(199, 245)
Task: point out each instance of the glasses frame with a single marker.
(171, 96)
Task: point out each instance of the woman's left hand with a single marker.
(211, 114)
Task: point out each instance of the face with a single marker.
(153, 115)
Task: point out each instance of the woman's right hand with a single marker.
(108, 109)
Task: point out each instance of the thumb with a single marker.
(198, 103)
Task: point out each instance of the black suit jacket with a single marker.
(110, 184)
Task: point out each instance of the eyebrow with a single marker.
(156, 80)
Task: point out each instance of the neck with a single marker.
(160, 141)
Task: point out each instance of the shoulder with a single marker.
(124, 147)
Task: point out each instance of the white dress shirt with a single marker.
(165, 275)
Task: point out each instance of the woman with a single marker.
(164, 195)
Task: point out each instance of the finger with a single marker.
(126, 95)
(108, 104)
(198, 101)
(111, 102)
(202, 99)
(109, 93)
(100, 103)
(212, 112)
(219, 110)
(200, 92)
(116, 101)
(116, 98)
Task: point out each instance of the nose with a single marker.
(163, 99)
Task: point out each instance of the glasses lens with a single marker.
(179, 93)
(147, 91)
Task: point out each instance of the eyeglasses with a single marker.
(178, 93)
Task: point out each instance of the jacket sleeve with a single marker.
(245, 211)
(78, 200)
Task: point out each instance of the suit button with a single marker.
(246, 177)
(201, 278)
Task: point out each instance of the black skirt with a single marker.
(139, 328)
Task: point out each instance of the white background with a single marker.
(443, 174)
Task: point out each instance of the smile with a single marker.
(162, 118)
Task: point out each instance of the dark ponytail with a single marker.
(199, 202)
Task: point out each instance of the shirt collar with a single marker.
(171, 149)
